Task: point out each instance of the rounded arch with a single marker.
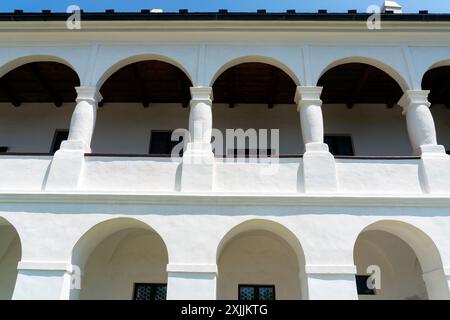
(394, 74)
(10, 255)
(114, 255)
(275, 233)
(17, 62)
(423, 247)
(441, 63)
(97, 233)
(139, 58)
(255, 59)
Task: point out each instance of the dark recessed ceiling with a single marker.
(254, 83)
(438, 81)
(353, 83)
(147, 82)
(39, 82)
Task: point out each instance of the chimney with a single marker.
(391, 6)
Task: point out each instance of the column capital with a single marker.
(202, 94)
(90, 94)
(413, 99)
(307, 96)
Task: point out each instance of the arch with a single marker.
(273, 231)
(17, 62)
(441, 63)
(369, 61)
(114, 234)
(424, 249)
(10, 255)
(139, 58)
(255, 58)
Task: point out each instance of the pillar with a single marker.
(191, 282)
(331, 282)
(68, 161)
(437, 285)
(422, 135)
(318, 169)
(43, 280)
(198, 158)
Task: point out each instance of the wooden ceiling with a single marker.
(39, 82)
(353, 83)
(148, 82)
(438, 81)
(153, 81)
(254, 83)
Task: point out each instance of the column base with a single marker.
(198, 168)
(65, 170)
(183, 278)
(435, 169)
(319, 169)
(37, 280)
(331, 282)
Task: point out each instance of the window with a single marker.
(361, 285)
(150, 291)
(161, 142)
(340, 145)
(60, 136)
(256, 292)
(249, 152)
(4, 149)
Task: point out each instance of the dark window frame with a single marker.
(152, 285)
(234, 152)
(361, 279)
(344, 135)
(163, 131)
(256, 288)
(55, 135)
(4, 149)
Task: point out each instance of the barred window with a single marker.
(150, 291)
(256, 292)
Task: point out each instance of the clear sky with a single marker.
(213, 5)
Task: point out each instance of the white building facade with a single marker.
(104, 215)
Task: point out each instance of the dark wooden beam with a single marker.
(273, 87)
(359, 86)
(46, 85)
(184, 85)
(232, 87)
(444, 88)
(12, 96)
(139, 82)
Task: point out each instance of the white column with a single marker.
(66, 167)
(434, 161)
(437, 285)
(43, 280)
(309, 106)
(191, 282)
(83, 120)
(331, 282)
(319, 169)
(419, 121)
(198, 158)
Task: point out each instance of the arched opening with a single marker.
(437, 80)
(121, 259)
(260, 260)
(10, 254)
(407, 263)
(143, 102)
(257, 95)
(36, 103)
(359, 99)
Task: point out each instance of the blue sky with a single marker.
(214, 5)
